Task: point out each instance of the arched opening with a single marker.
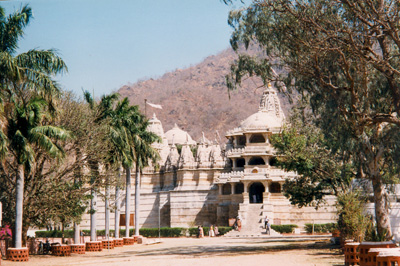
(256, 191)
(239, 188)
(241, 140)
(257, 138)
(240, 162)
(275, 188)
(256, 161)
(226, 189)
(272, 161)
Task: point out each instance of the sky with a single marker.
(107, 44)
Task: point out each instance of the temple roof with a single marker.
(178, 136)
(269, 117)
(155, 126)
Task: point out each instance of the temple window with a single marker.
(257, 138)
(241, 141)
(275, 188)
(226, 189)
(240, 162)
(239, 188)
(272, 161)
(256, 161)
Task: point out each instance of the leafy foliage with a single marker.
(321, 228)
(342, 59)
(353, 223)
(284, 228)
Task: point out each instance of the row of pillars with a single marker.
(247, 160)
(248, 136)
(246, 185)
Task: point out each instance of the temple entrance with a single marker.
(256, 191)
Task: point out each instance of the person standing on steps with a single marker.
(268, 228)
(239, 224)
(266, 220)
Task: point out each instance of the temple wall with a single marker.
(190, 208)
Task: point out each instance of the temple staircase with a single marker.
(252, 216)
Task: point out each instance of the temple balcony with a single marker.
(235, 152)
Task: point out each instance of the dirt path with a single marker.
(206, 251)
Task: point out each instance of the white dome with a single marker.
(178, 136)
(262, 119)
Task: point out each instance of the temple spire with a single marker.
(270, 101)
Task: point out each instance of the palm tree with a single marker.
(27, 90)
(144, 152)
(132, 143)
(124, 122)
(25, 131)
(104, 114)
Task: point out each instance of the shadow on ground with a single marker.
(231, 250)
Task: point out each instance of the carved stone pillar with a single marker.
(246, 198)
(220, 189)
(232, 188)
(247, 138)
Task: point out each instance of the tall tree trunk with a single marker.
(381, 208)
(93, 236)
(127, 200)
(76, 234)
(107, 209)
(117, 211)
(19, 198)
(62, 232)
(137, 200)
(372, 153)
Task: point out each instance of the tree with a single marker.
(25, 130)
(144, 152)
(52, 183)
(103, 113)
(323, 164)
(27, 90)
(343, 56)
(123, 121)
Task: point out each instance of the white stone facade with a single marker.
(209, 183)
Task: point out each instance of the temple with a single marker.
(209, 182)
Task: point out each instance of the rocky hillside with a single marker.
(196, 98)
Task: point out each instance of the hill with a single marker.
(197, 99)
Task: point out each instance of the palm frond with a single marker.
(46, 61)
(12, 28)
(39, 137)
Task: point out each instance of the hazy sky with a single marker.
(107, 44)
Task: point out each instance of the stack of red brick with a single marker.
(372, 254)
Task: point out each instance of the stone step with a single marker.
(252, 216)
(246, 233)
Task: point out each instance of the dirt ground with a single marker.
(206, 251)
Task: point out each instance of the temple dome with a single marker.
(178, 136)
(262, 119)
(269, 116)
(155, 126)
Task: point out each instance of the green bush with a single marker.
(224, 229)
(164, 232)
(320, 228)
(146, 232)
(284, 228)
